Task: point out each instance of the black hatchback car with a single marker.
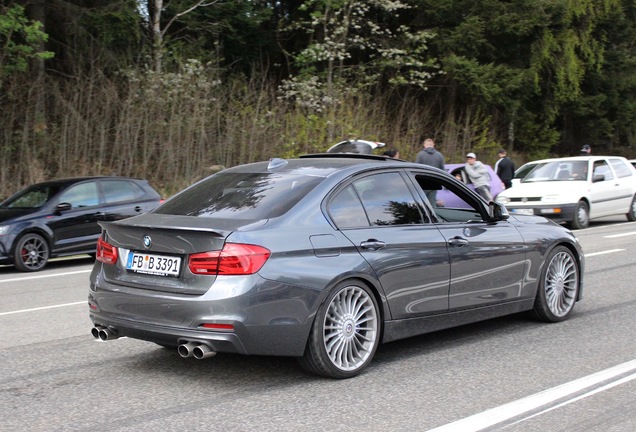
(323, 258)
(60, 217)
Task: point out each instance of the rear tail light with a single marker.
(234, 259)
(106, 253)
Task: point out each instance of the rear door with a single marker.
(380, 215)
(607, 192)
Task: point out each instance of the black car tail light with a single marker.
(233, 259)
(106, 252)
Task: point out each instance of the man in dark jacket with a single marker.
(429, 156)
(505, 169)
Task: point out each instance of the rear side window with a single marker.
(241, 195)
(621, 168)
(379, 200)
(120, 190)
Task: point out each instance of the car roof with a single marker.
(324, 164)
(73, 180)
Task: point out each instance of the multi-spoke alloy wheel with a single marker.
(345, 334)
(559, 286)
(31, 253)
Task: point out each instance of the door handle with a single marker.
(138, 209)
(372, 244)
(458, 241)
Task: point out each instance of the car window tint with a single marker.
(120, 190)
(457, 204)
(621, 168)
(346, 210)
(81, 195)
(387, 200)
(33, 197)
(242, 195)
(602, 168)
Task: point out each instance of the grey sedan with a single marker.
(323, 258)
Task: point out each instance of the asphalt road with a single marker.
(509, 374)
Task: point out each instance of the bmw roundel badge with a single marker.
(147, 241)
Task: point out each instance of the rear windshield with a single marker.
(241, 196)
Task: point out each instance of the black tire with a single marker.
(345, 334)
(631, 214)
(581, 216)
(31, 253)
(559, 286)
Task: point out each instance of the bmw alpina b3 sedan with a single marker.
(323, 258)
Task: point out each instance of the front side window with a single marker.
(454, 202)
(602, 168)
(81, 195)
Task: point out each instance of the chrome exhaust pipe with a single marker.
(185, 350)
(95, 331)
(201, 352)
(103, 333)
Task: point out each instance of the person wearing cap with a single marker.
(478, 175)
(505, 169)
(586, 150)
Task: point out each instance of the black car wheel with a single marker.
(31, 253)
(559, 286)
(581, 216)
(631, 214)
(345, 334)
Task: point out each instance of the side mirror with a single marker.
(62, 207)
(598, 178)
(497, 212)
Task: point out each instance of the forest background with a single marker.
(174, 90)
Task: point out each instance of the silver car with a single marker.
(323, 258)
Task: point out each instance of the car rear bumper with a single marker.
(267, 319)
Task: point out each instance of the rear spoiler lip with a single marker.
(152, 221)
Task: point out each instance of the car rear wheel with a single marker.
(31, 253)
(345, 334)
(631, 214)
(581, 216)
(559, 286)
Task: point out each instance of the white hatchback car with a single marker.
(575, 190)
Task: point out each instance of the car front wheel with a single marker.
(631, 214)
(345, 334)
(31, 253)
(559, 286)
(581, 216)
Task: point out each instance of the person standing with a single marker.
(478, 175)
(505, 169)
(430, 156)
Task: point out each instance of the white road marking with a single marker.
(519, 407)
(44, 276)
(620, 235)
(603, 252)
(43, 308)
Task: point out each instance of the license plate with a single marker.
(153, 264)
(523, 211)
